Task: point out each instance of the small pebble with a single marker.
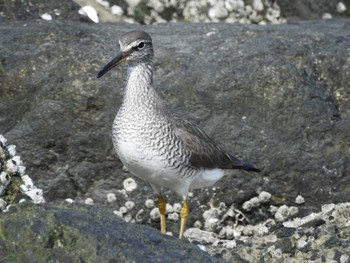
(90, 12)
(46, 16)
(89, 201)
(326, 16)
(117, 10)
(341, 8)
(299, 200)
(69, 200)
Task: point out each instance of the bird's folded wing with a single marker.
(204, 153)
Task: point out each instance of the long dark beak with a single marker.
(120, 58)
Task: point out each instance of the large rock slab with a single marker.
(277, 96)
(64, 232)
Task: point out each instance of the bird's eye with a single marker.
(141, 45)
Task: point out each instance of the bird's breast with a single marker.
(145, 141)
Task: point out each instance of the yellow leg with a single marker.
(183, 215)
(162, 210)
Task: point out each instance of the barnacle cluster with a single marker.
(15, 185)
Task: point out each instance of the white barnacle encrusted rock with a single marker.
(13, 167)
(284, 212)
(264, 197)
(2, 189)
(129, 205)
(149, 203)
(3, 205)
(36, 195)
(138, 216)
(21, 170)
(111, 197)
(4, 179)
(177, 207)
(173, 216)
(195, 234)
(258, 5)
(27, 181)
(11, 150)
(169, 208)
(197, 224)
(154, 214)
(3, 141)
(218, 11)
(118, 213)
(250, 204)
(123, 210)
(129, 184)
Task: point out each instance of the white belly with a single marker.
(149, 166)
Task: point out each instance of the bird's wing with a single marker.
(204, 152)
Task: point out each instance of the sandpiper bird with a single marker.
(153, 142)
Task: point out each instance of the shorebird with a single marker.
(156, 144)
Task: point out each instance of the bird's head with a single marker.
(135, 47)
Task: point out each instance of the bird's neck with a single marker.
(140, 77)
(139, 87)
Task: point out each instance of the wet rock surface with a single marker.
(275, 96)
(61, 232)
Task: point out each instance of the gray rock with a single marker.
(26, 10)
(311, 9)
(276, 96)
(294, 242)
(64, 232)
